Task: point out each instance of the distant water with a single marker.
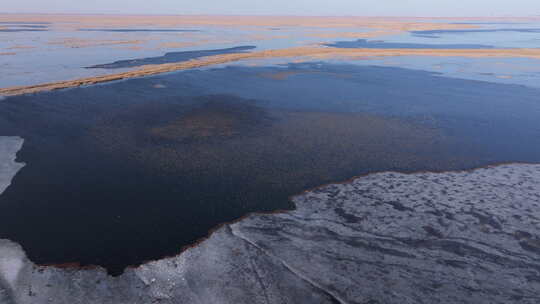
(497, 35)
(23, 22)
(39, 52)
(171, 57)
(22, 29)
(135, 30)
(17, 26)
(437, 33)
(489, 34)
(378, 44)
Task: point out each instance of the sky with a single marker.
(282, 7)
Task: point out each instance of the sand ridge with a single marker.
(313, 52)
(104, 21)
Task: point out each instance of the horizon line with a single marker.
(264, 15)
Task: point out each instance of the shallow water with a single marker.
(521, 71)
(62, 51)
(172, 57)
(366, 44)
(130, 171)
(498, 35)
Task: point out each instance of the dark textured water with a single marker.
(130, 171)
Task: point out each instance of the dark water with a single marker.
(14, 27)
(133, 30)
(171, 57)
(23, 22)
(487, 23)
(32, 26)
(375, 44)
(17, 30)
(130, 171)
(436, 33)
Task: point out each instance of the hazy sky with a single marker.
(289, 7)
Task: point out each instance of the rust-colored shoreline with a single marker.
(310, 52)
(77, 266)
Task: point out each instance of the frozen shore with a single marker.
(452, 237)
(9, 146)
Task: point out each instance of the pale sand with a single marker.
(20, 47)
(77, 21)
(312, 52)
(373, 34)
(81, 43)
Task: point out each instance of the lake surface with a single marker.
(124, 172)
(134, 170)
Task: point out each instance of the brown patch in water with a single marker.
(286, 74)
(212, 120)
(289, 150)
(280, 75)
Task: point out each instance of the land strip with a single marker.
(313, 52)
